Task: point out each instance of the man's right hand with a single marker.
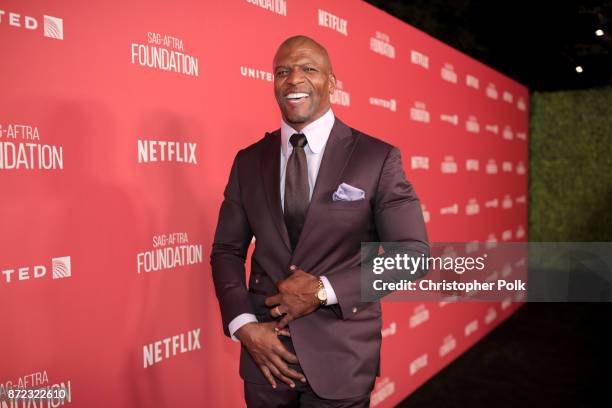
(261, 340)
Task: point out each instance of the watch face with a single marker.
(321, 294)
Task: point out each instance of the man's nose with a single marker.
(296, 76)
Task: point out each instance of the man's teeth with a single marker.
(297, 95)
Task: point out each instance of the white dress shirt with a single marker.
(316, 134)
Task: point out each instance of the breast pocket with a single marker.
(350, 216)
(348, 205)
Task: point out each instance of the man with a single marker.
(310, 192)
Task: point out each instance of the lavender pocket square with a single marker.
(346, 192)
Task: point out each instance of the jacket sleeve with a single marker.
(398, 218)
(232, 238)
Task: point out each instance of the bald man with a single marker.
(310, 192)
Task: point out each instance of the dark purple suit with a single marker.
(338, 346)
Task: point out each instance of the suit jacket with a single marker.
(338, 346)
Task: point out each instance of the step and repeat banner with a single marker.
(119, 122)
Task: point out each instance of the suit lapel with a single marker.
(337, 153)
(270, 166)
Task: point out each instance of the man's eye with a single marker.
(281, 73)
(310, 69)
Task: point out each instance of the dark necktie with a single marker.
(297, 191)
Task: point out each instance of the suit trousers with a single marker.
(302, 396)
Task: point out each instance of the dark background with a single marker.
(546, 354)
(539, 43)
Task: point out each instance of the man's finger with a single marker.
(266, 372)
(277, 373)
(285, 370)
(283, 332)
(278, 311)
(284, 321)
(273, 300)
(287, 356)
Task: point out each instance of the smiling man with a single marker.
(310, 192)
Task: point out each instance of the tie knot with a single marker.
(298, 140)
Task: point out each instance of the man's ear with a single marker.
(332, 83)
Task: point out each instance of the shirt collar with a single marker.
(316, 133)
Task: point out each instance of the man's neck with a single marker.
(301, 125)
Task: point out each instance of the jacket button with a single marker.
(354, 310)
(257, 280)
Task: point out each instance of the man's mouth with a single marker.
(296, 97)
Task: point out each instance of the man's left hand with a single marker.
(296, 297)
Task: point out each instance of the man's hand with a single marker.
(261, 340)
(296, 297)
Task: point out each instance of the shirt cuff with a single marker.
(331, 295)
(239, 321)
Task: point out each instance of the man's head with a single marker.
(303, 80)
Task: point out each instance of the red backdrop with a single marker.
(119, 123)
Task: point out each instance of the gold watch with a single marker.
(321, 293)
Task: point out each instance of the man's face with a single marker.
(303, 82)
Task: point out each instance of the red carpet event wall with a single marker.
(119, 122)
